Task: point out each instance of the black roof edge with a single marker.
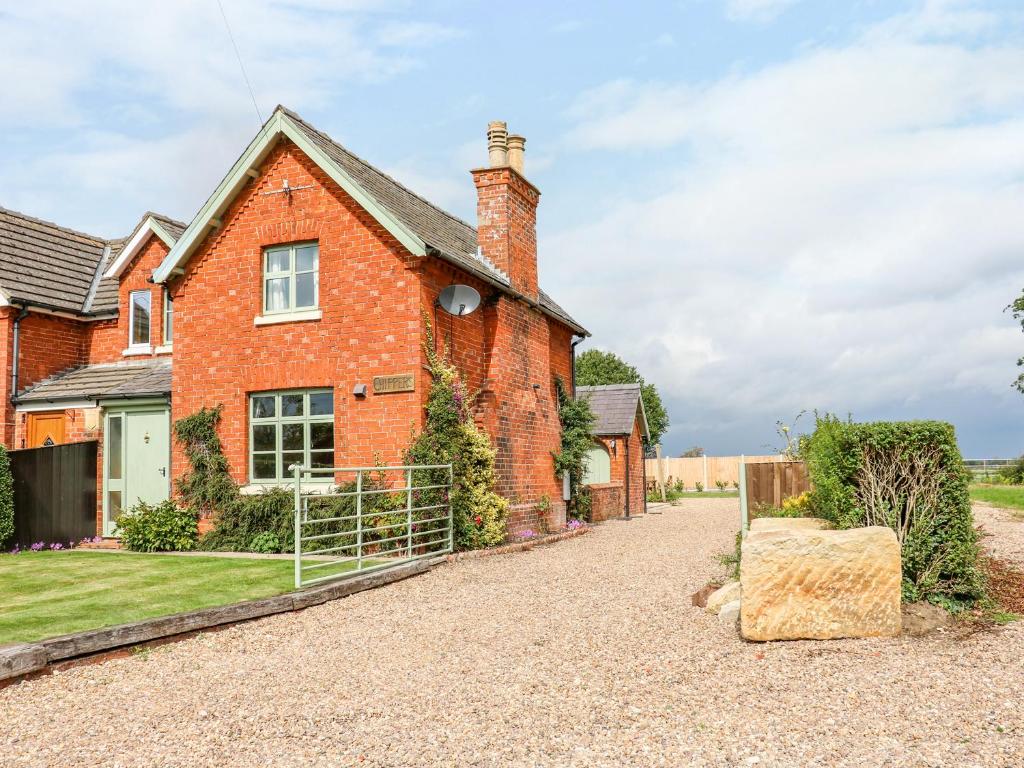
(17, 301)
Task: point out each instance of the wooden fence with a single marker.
(705, 470)
(54, 493)
(771, 482)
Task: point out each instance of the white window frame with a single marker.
(292, 273)
(167, 318)
(142, 346)
(282, 475)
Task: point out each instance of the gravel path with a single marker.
(1004, 529)
(585, 653)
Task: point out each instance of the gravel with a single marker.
(583, 653)
(1003, 531)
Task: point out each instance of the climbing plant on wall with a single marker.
(451, 436)
(577, 422)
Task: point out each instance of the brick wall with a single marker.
(107, 339)
(371, 324)
(636, 466)
(607, 500)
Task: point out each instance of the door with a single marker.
(44, 429)
(599, 466)
(137, 450)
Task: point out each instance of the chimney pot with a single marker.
(497, 144)
(516, 147)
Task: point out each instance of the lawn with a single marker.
(43, 594)
(1005, 496)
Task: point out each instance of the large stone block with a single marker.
(788, 523)
(808, 584)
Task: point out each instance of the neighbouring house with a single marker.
(299, 299)
(616, 472)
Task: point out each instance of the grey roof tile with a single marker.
(449, 234)
(616, 406)
(105, 380)
(47, 264)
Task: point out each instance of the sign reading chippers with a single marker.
(384, 385)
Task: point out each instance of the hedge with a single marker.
(909, 476)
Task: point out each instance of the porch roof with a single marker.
(144, 378)
(617, 407)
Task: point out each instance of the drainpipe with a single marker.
(14, 353)
(572, 352)
(627, 477)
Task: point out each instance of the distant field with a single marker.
(1005, 496)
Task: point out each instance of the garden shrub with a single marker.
(450, 436)
(6, 497)
(577, 420)
(1012, 474)
(163, 527)
(910, 477)
(241, 521)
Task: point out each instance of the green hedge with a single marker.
(163, 527)
(920, 491)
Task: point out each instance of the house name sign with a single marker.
(383, 385)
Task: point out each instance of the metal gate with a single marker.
(351, 520)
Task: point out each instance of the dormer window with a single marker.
(291, 280)
(140, 307)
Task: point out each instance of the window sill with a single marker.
(308, 486)
(138, 350)
(164, 349)
(289, 317)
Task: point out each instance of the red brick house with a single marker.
(616, 469)
(298, 298)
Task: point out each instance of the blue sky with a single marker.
(766, 205)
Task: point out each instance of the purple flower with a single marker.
(97, 539)
(16, 550)
(38, 546)
(56, 545)
(572, 525)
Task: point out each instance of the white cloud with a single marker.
(756, 10)
(149, 99)
(843, 233)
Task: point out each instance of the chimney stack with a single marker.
(506, 210)
(497, 143)
(516, 145)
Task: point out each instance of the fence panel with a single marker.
(771, 482)
(54, 493)
(369, 518)
(706, 470)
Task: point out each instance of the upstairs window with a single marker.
(168, 318)
(140, 306)
(291, 279)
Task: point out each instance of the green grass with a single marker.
(43, 594)
(1005, 496)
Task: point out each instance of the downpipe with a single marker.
(15, 352)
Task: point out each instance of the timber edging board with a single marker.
(26, 658)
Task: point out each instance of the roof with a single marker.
(419, 224)
(102, 381)
(50, 266)
(617, 408)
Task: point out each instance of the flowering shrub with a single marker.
(451, 436)
(158, 527)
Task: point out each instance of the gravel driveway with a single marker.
(585, 653)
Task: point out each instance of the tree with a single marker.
(1017, 308)
(595, 367)
(692, 453)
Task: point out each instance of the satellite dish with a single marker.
(459, 300)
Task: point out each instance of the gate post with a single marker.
(744, 512)
(298, 528)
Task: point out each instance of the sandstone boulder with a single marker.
(730, 612)
(759, 524)
(814, 584)
(725, 594)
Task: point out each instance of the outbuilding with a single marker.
(615, 469)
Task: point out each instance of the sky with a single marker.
(767, 206)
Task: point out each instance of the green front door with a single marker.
(137, 450)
